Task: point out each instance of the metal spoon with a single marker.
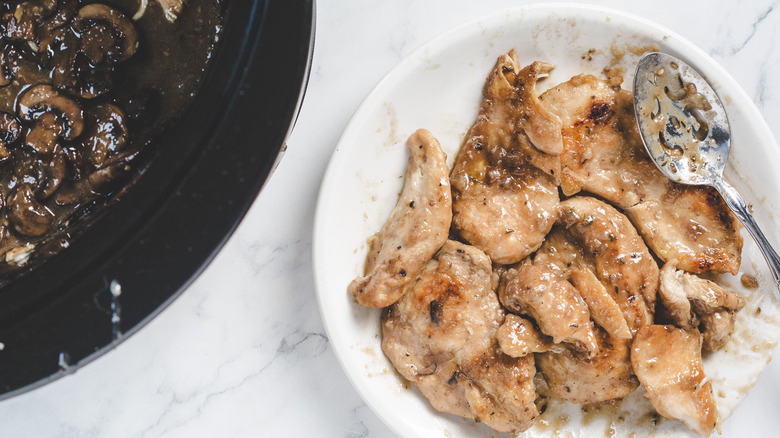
(685, 129)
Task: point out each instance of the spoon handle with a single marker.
(737, 205)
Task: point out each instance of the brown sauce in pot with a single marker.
(84, 89)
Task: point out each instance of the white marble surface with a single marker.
(243, 353)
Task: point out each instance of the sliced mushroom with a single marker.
(98, 182)
(71, 69)
(58, 50)
(107, 134)
(35, 170)
(61, 17)
(99, 42)
(75, 161)
(91, 82)
(55, 116)
(44, 134)
(56, 171)
(107, 35)
(10, 131)
(19, 65)
(28, 216)
(22, 21)
(20, 24)
(43, 173)
(5, 73)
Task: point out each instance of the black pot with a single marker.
(147, 247)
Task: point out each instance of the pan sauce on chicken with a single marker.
(559, 226)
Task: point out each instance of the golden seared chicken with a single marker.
(563, 254)
(502, 204)
(603, 154)
(597, 250)
(417, 227)
(542, 292)
(606, 377)
(518, 337)
(667, 361)
(541, 125)
(558, 288)
(441, 336)
(604, 310)
(692, 225)
(691, 301)
(620, 258)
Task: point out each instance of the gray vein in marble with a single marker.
(297, 344)
(761, 85)
(358, 429)
(730, 51)
(292, 342)
(177, 399)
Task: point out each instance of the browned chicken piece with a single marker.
(501, 392)
(592, 147)
(604, 378)
(505, 106)
(667, 361)
(603, 154)
(604, 310)
(518, 337)
(621, 259)
(542, 126)
(417, 227)
(502, 204)
(692, 301)
(441, 336)
(716, 328)
(541, 292)
(562, 255)
(691, 225)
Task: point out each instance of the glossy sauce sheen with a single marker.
(676, 114)
(125, 98)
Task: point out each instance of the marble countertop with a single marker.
(242, 352)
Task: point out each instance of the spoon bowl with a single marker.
(685, 129)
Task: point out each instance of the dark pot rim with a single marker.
(148, 247)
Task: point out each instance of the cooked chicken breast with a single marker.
(542, 126)
(518, 337)
(691, 225)
(716, 327)
(667, 361)
(441, 336)
(621, 259)
(604, 310)
(606, 377)
(593, 147)
(567, 262)
(511, 115)
(694, 302)
(541, 292)
(603, 155)
(417, 227)
(501, 203)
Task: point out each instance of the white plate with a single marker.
(438, 87)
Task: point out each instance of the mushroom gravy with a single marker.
(85, 87)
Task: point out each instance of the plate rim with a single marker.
(694, 55)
